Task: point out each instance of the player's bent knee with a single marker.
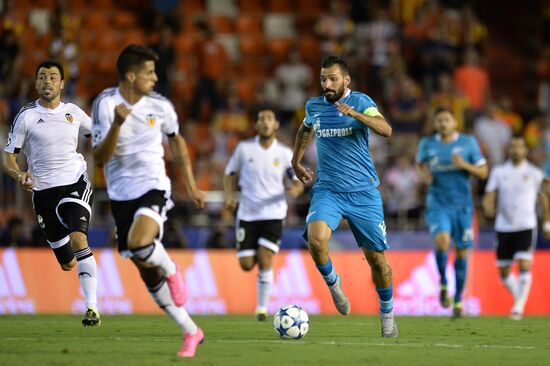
(65, 257)
(247, 264)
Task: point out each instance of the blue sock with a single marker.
(441, 260)
(385, 298)
(328, 272)
(460, 272)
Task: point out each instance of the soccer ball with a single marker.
(291, 322)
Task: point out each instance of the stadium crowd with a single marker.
(220, 61)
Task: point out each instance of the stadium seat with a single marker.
(279, 49)
(191, 7)
(309, 8)
(310, 49)
(251, 67)
(184, 43)
(134, 36)
(280, 6)
(246, 89)
(251, 46)
(248, 24)
(221, 24)
(124, 20)
(250, 6)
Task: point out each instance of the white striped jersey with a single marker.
(137, 165)
(262, 175)
(49, 139)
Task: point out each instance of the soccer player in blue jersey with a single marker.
(345, 188)
(446, 160)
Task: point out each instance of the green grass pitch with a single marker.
(240, 340)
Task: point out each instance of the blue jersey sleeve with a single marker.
(308, 121)
(474, 154)
(366, 103)
(421, 155)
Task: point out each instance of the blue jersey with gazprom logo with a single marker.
(344, 163)
(450, 188)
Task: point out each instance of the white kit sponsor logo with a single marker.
(292, 286)
(13, 292)
(419, 294)
(203, 290)
(110, 291)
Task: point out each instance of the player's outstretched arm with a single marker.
(178, 147)
(105, 150)
(376, 122)
(303, 137)
(10, 166)
(544, 198)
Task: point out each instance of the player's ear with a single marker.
(131, 76)
(62, 85)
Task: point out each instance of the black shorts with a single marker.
(64, 209)
(251, 234)
(515, 245)
(155, 204)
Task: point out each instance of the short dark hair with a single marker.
(335, 60)
(48, 64)
(134, 56)
(266, 108)
(441, 109)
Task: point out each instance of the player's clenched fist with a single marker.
(121, 113)
(304, 174)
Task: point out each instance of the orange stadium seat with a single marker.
(246, 89)
(96, 21)
(309, 8)
(279, 49)
(108, 40)
(184, 43)
(310, 49)
(124, 20)
(190, 7)
(280, 6)
(251, 45)
(250, 6)
(251, 67)
(221, 24)
(249, 24)
(134, 36)
(87, 40)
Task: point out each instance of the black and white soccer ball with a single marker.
(291, 322)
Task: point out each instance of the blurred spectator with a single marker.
(375, 38)
(507, 114)
(14, 233)
(407, 107)
(9, 50)
(294, 78)
(446, 95)
(167, 56)
(212, 62)
(335, 29)
(474, 32)
(402, 185)
(493, 135)
(473, 80)
(173, 237)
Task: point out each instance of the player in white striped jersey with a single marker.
(263, 170)
(129, 122)
(513, 188)
(47, 131)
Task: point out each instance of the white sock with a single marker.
(156, 255)
(265, 280)
(161, 295)
(524, 286)
(87, 275)
(511, 283)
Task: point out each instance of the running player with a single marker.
(513, 188)
(129, 122)
(346, 184)
(445, 161)
(261, 168)
(47, 131)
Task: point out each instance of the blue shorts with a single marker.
(458, 223)
(363, 210)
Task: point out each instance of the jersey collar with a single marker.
(48, 110)
(455, 137)
(257, 141)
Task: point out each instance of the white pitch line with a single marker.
(299, 343)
